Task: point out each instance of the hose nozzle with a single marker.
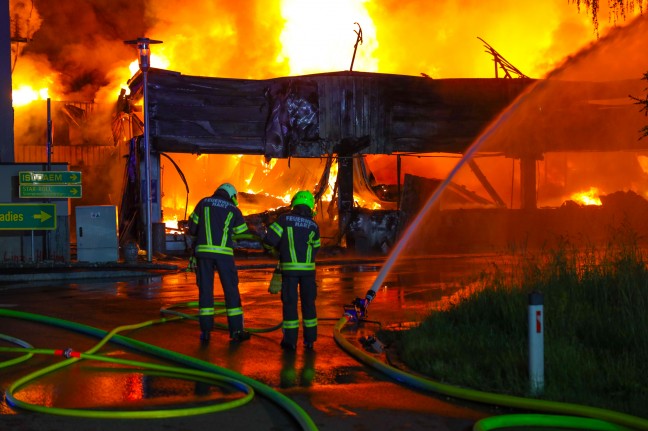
(357, 310)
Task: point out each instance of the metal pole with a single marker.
(143, 47)
(49, 134)
(355, 47)
(536, 343)
(147, 168)
(398, 181)
(6, 109)
(50, 140)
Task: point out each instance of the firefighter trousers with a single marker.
(303, 289)
(229, 280)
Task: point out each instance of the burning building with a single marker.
(372, 145)
(348, 116)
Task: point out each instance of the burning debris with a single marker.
(274, 136)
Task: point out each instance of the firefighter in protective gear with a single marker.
(212, 223)
(296, 237)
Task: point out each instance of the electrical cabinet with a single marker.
(97, 234)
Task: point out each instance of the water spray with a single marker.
(357, 310)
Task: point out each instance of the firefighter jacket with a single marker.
(213, 222)
(297, 238)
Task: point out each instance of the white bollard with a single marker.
(536, 343)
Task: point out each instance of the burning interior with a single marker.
(510, 159)
(374, 147)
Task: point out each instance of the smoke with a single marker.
(577, 130)
(218, 38)
(76, 51)
(82, 41)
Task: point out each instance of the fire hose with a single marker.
(578, 416)
(194, 304)
(197, 370)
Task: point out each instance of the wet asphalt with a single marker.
(332, 387)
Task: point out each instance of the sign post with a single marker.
(49, 191)
(49, 177)
(27, 216)
(49, 184)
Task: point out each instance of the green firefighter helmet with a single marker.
(230, 190)
(303, 197)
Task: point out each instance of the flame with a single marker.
(318, 35)
(158, 61)
(172, 223)
(32, 82)
(25, 94)
(261, 39)
(589, 197)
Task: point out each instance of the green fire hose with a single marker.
(198, 370)
(582, 417)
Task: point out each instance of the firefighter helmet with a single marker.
(230, 190)
(303, 197)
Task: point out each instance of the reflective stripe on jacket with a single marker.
(213, 222)
(297, 238)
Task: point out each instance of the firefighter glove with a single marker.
(275, 282)
(191, 267)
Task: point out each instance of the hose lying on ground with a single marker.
(160, 370)
(195, 364)
(607, 419)
(194, 304)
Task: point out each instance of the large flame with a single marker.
(320, 35)
(86, 59)
(261, 39)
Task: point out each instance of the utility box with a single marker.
(96, 232)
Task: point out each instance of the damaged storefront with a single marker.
(337, 134)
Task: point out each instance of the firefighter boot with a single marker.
(205, 336)
(287, 346)
(238, 336)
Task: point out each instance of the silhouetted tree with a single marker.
(618, 9)
(643, 102)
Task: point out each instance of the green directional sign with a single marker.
(49, 177)
(27, 216)
(49, 191)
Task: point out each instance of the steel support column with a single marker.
(528, 194)
(345, 192)
(6, 108)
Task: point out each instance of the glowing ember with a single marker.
(589, 197)
(172, 224)
(157, 61)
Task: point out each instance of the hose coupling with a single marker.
(371, 294)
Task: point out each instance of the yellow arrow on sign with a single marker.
(74, 191)
(73, 177)
(43, 216)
